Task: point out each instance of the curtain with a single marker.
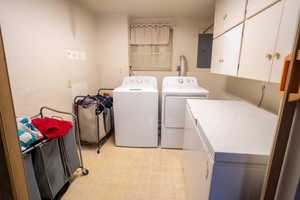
(149, 34)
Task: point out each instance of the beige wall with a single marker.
(251, 90)
(112, 49)
(37, 35)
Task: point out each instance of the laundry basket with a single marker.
(50, 163)
(95, 119)
(49, 169)
(92, 125)
(33, 189)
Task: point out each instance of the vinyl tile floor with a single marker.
(119, 173)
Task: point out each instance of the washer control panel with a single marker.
(139, 82)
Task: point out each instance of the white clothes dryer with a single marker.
(175, 91)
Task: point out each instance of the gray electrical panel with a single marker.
(204, 50)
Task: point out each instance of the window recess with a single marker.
(150, 47)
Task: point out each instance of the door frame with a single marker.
(286, 116)
(9, 134)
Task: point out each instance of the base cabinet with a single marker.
(232, 181)
(206, 179)
(197, 163)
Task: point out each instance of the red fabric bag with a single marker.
(52, 128)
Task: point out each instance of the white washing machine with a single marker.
(136, 112)
(175, 91)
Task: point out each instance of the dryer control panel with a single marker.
(188, 82)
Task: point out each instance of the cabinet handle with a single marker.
(225, 17)
(277, 55)
(207, 170)
(269, 56)
(221, 60)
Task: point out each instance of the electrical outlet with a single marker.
(69, 84)
(69, 54)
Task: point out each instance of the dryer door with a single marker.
(174, 111)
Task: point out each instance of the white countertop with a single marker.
(235, 128)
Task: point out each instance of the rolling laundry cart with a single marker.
(94, 114)
(50, 163)
(101, 91)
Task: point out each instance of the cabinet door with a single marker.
(254, 6)
(226, 52)
(228, 13)
(259, 43)
(197, 164)
(286, 37)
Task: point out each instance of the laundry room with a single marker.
(149, 99)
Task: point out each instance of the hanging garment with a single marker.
(52, 128)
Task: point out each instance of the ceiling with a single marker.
(200, 9)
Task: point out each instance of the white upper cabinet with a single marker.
(255, 6)
(286, 37)
(259, 43)
(228, 13)
(226, 52)
(255, 48)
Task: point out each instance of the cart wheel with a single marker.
(85, 171)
